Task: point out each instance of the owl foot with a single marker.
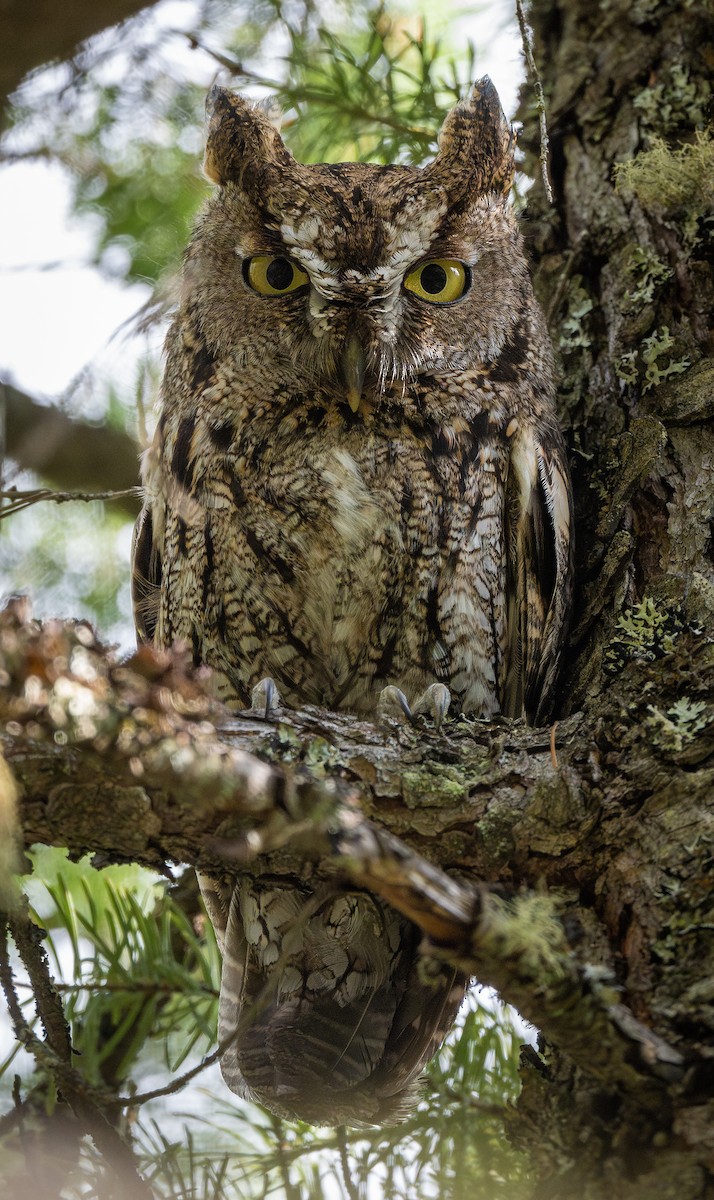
(434, 703)
(265, 698)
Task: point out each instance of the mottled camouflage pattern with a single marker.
(424, 537)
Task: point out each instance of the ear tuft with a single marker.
(476, 146)
(243, 143)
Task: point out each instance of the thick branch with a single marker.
(145, 774)
(33, 34)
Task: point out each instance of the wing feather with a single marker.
(145, 577)
(539, 571)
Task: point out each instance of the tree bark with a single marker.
(623, 268)
(543, 843)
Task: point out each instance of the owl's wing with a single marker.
(145, 576)
(539, 548)
(328, 1010)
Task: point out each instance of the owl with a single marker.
(357, 490)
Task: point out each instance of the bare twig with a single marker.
(229, 64)
(175, 1086)
(540, 99)
(352, 1191)
(553, 749)
(23, 499)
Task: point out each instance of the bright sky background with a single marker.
(56, 313)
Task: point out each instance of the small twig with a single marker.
(291, 1191)
(553, 751)
(19, 500)
(540, 99)
(28, 940)
(350, 1188)
(174, 1086)
(136, 987)
(229, 64)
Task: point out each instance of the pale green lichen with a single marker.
(673, 182)
(643, 633)
(646, 273)
(680, 724)
(652, 349)
(648, 363)
(435, 785)
(675, 101)
(573, 334)
(528, 932)
(321, 754)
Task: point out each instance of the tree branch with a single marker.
(70, 454)
(37, 33)
(148, 774)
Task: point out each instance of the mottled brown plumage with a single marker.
(357, 481)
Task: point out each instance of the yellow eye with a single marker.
(273, 275)
(440, 281)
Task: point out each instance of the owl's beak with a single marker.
(352, 367)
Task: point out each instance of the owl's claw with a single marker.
(434, 703)
(393, 703)
(265, 698)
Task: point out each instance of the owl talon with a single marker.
(434, 703)
(265, 698)
(393, 703)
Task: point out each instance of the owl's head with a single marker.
(354, 278)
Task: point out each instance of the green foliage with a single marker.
(146, 190)
(378, 95)
(75, 560)
(139, 986)
(370, 86)
(132, 968)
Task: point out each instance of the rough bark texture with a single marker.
(612, 839)
(625, 275)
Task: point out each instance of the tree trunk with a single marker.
(623, 269)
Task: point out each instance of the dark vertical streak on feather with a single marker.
(201, 367)
(208, 563)
(181, 462)
(146, 579)
(196, 646)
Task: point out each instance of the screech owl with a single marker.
(357, 482)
